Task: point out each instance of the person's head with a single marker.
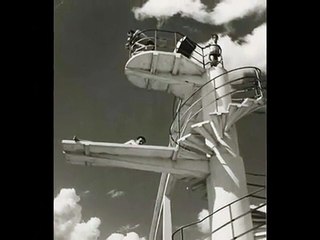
(141, 140)
(130, 33)
(215, 38)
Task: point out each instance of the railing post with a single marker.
(179, 127)
(259, 88)
(231, 221)
(155, 39)
(203, 63)
(175, 40)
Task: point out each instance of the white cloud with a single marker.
(68, 223)
(115, 193)
(128, 236)
(204, 226)
(115, 236)
(224, 12)
(252, 52)
(67, 213)
(228, 10)
(67, 217)
(167, 8)
(86, 231)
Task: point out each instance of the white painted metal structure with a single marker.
(204, 141)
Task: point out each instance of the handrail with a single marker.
(258, 93)
(254, 184)
(250, 230)
(218, 210)
(240, 216)
(256, 174)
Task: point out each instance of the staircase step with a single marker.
(233, 111)
(195, 143)
(205, 129)
(260, 237)
(258, 215)
(219, 121)
(237, 111)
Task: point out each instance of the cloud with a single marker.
(128, 236)
(251, 52)
(68, 223)
(167, 8)
(228, 10)
(67, 218)
(115, 193)
(87, 231)
(225, 11)
(128, 228)
(115, 236)
(204, 226)
(67, 213)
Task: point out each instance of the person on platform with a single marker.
(138, 39)
(138, 141)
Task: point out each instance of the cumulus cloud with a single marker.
(204, 226)
(115, 193)
(251, 52)
(128, 236)
(86, 231)
(68, 224)
(167, 8)
(228, 10)
(225, 11)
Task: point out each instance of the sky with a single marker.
(94, 100)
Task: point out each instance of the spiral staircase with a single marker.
(201, 139)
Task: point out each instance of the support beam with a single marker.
(158, 207)
(167, 221)
(154, 62)
(180, 167)
(176, 65)
(163, 204)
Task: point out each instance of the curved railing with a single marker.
(252, 84)
(182, 229)
(166, 40)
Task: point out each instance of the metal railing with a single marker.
(183, 117)
(167, 41)
(181, 231)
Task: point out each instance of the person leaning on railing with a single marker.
(139, 40)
